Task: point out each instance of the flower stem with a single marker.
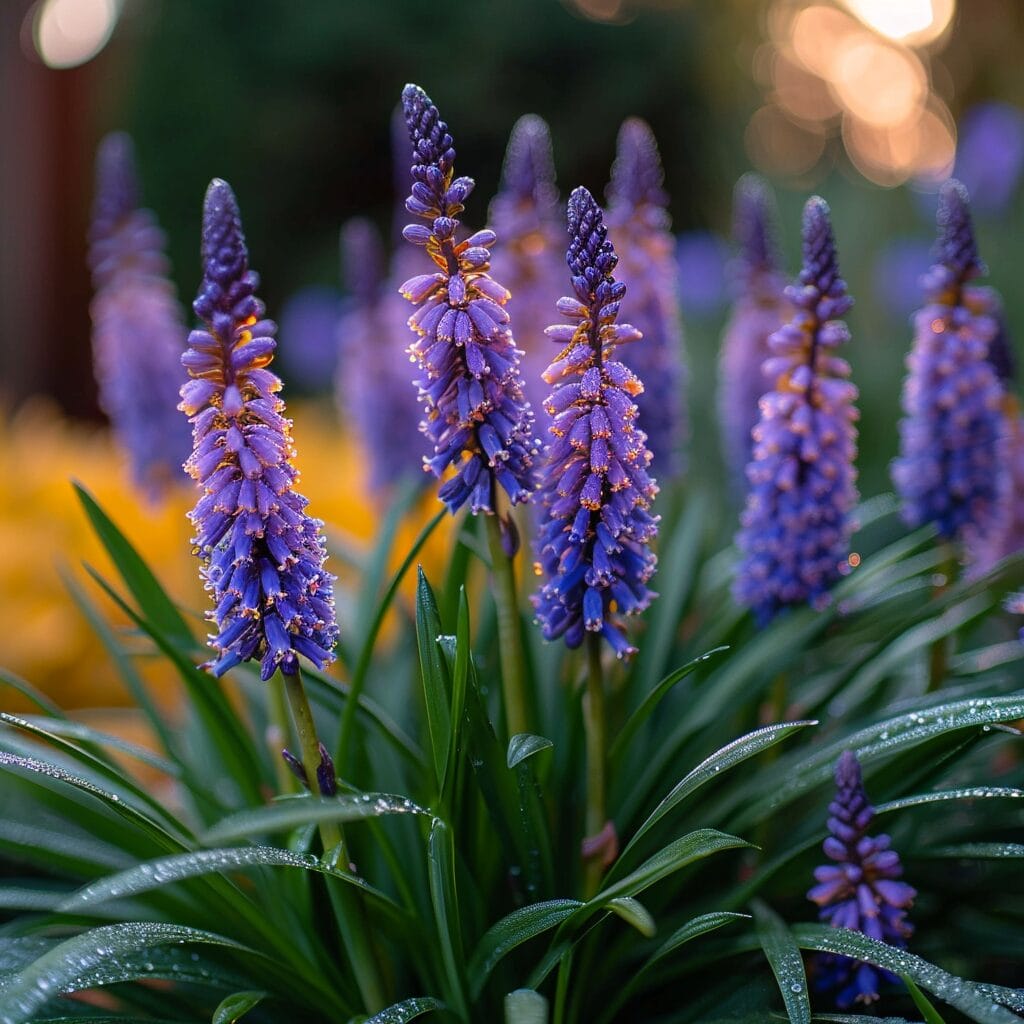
(513, 675)
(278, 731)
(594, 728)
(938, 659)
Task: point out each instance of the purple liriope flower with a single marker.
(948, 470)
(138, 333)
(759, 309)
(639, 225)
(860, 890)
(263, 556)
(795, 529)
(372, 385)
(596, 527)
(525, 216)
(477, 416)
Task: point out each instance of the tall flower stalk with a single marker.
(759, 309)
(795, 529)
(859, 890)
(596, 527)
(639, 225)
(138, 334)
(949, 470)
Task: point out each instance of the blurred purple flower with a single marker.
(759, 309)
(990, 154)
(795, 529)
(949, 469)
(263, 556)
(477, 416)
(593, 541)
(138, 334)
(307, 331)
(639, 225)
(897, 271)
(372, 385)
(701, 258)
(860, 891)
(525, 216)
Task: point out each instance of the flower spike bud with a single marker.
(860, 890)
(138, 332)
(795, 529)
(639, 225)
(759, 309)
(950, 470)
(263, 556)
(477, 417)
(594, 541)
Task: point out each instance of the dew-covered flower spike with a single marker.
(759, 309)
(639, 226)
(795, 529)
(859, 890)
(263, 556)
(948, 471)
(138, 332)
(593, 546)
(477, 417)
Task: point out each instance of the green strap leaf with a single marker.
(922, 1002)
(787, 965)
(407, 1010)
(234, 1007)
(634, 913)
(434, 676)
(441, 870)
(524, 745)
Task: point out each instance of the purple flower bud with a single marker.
(263, 556)
(326, 780)
(795, 529)
(596, 528)
(138, 333)
(477, 417)
(298, 769)
(759, 309)
(640, 228)
(949, 469)
(860, 891)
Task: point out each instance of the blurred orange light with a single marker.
(801, 93)
(816, 34)
(878, 82)
(915, 22)
(600, 10)
(70, 32)
(777, 146)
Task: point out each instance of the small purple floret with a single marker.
(639, 225)
(263, 556)
(593, 545)
(795, 529)
(138, 334)
(949, 469)
(859, 890)
(477, 417)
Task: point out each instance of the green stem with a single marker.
(349, 910)
(938, 657)
(513, 675)
(594, 728)
(277, 733)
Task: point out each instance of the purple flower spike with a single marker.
(263, 556)
(593, 543)
(640, 228)
(795, 529)
(525, 215)
(759, 310)
(372, 385)
(860, 890)
(477, 417)
(138, 333)
(948, 470)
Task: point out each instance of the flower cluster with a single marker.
(760, 308)
(525, 216)
(596, 525)
(639, 225)
(948, 470)
(372, 385)
(477, 417)
(860, 890)
(138, 334)
(796, 525)
(263, 556)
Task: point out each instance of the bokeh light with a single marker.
(70, 32)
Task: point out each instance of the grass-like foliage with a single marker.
(199, 889)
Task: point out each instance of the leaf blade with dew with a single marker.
(943, 795)
(972, 1000)
(234, 1007)
(511, 931)
(408, 1009)
(298, 811)
(634, 913)
(784, 958)
(524, 745)
(443, 898)
(971, 851)
(433, 675)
